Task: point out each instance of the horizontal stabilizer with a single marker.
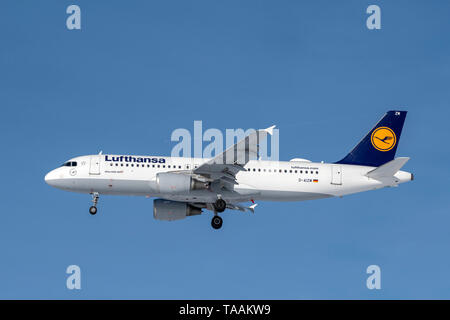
(387, 170)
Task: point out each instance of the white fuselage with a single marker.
(261, 180)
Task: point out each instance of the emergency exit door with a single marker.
(336, 174)
(95, 165)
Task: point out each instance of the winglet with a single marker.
(269, 130)
(252, 207)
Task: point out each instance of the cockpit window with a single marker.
(70, 164)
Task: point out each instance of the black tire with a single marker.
(93, 210)
(220, 205)
(216, 222)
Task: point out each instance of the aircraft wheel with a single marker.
(93, 210)
(216, 222)
(220, 205)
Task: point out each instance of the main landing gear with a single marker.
(216, 222)
(219, 206)
(93, 209)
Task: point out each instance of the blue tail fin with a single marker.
(380, 144)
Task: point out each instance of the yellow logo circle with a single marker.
(383, 139)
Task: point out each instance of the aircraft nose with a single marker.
(50, 178)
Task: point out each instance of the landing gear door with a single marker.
(95, 165)
(336, 174)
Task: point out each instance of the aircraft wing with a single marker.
(226, 165)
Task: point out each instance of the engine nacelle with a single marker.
(172, 210)
(175, 183)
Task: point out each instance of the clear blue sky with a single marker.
(139, 69)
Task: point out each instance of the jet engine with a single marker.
(172, 210)
(176, 183)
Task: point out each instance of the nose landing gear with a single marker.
(93, 209)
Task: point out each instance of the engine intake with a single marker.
(172, 210)
(175, 183)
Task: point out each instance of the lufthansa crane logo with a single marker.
(383, 139)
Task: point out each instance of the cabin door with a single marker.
(95, 165)
(336, 174)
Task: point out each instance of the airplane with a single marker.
(185, 187)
